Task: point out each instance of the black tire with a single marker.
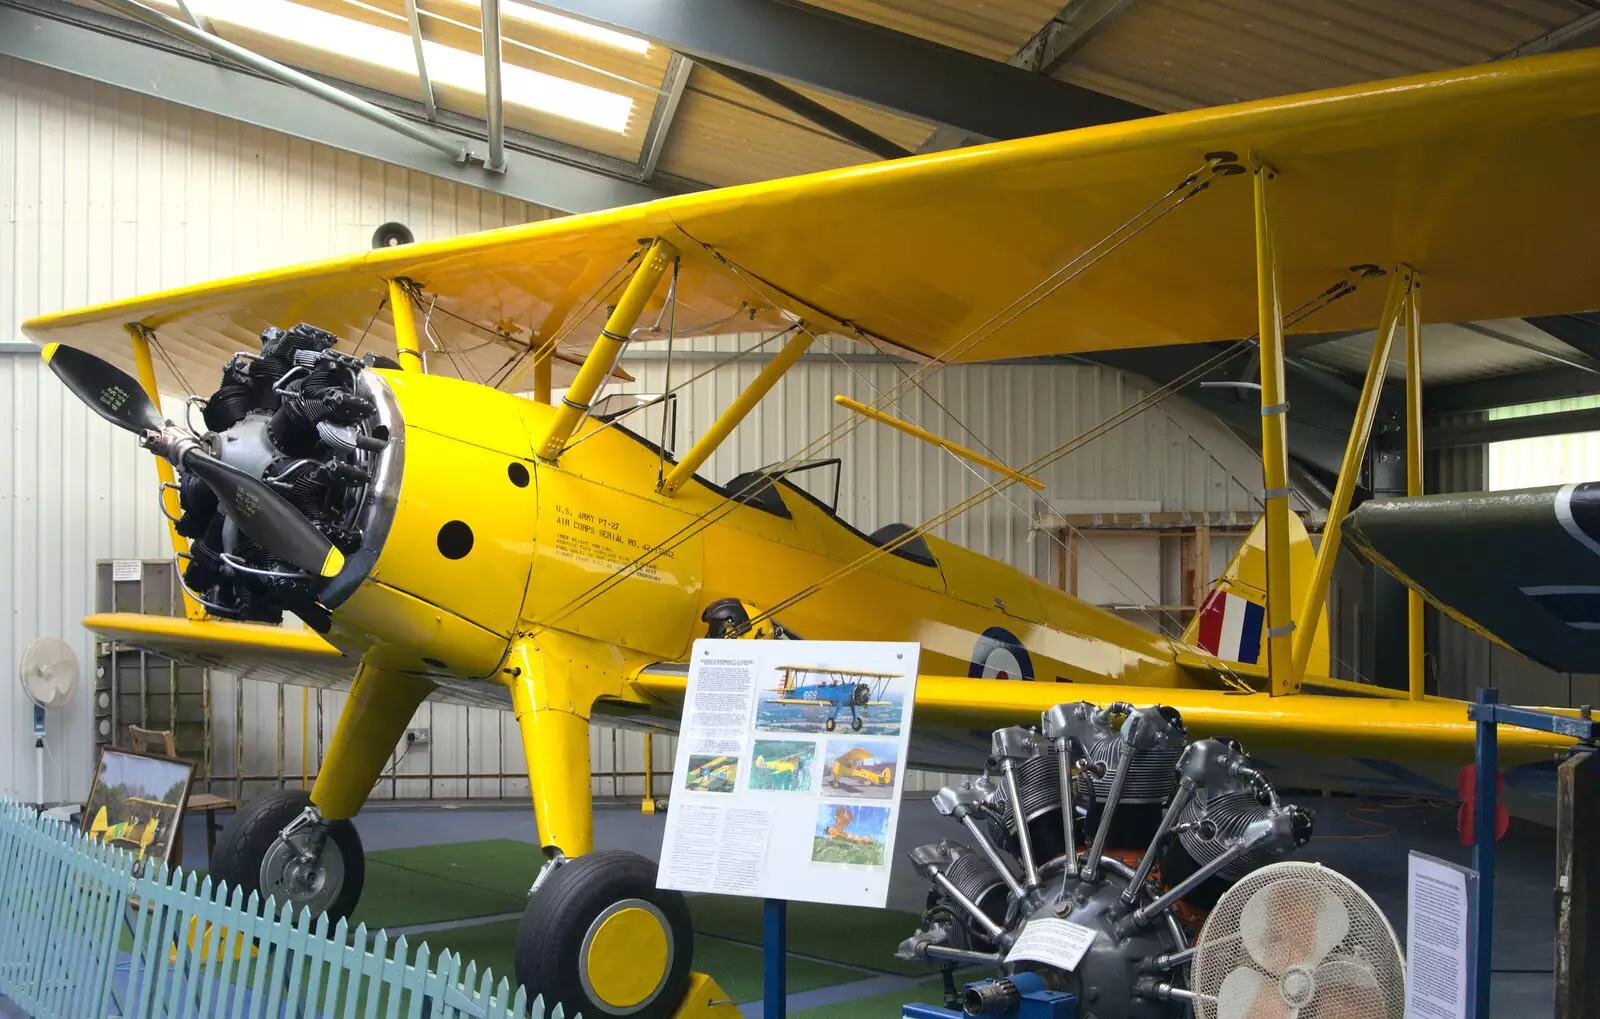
(830, 724)
(855, 724)
(245, 841)
(557, 920)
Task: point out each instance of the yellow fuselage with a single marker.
(547, 541)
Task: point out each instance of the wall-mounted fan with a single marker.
(1297, 940)
(49, 676)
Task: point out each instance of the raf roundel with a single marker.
(998, 654)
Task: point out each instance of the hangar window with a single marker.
(1543, 460)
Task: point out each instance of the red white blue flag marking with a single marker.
(1230, 627)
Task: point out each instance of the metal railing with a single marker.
(84, 933)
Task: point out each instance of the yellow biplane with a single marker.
(452, 540)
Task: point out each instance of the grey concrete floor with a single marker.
(1357, 844)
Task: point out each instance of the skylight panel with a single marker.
(371, 44)
(572, 26)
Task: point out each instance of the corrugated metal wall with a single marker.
(109, 194)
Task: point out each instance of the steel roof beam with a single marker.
(1451, 435)
(1581, 364)
(856, 60)
(831, 121)
(666, 109)
(1580, 332)
(116, 52)
(1068, 32)
(1508, 390)
(494, 107)
(423, 82)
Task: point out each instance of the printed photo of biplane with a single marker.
(136, 802)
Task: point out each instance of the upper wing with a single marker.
(1518, 567)
(1449, 171)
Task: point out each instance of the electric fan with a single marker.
(49, 675)
(1296, 941)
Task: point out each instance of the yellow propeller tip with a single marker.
(333, 564)
(49, 351)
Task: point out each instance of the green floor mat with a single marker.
(877, 1006)
(850, 934)
(737, 968)
(457, 881)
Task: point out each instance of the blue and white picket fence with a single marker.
(82, 936)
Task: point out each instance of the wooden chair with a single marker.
(160, 741)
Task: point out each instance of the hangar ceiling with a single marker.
(605, 102)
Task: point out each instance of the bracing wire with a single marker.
(1189, 187)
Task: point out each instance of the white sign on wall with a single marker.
(790, 763)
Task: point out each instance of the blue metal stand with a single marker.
(1488, 712)
(774, 952)
(1485, 807)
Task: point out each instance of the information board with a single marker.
(790, 764)
(1439, 938)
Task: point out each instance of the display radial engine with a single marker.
(1215, 818)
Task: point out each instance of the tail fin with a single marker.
(1232, 621)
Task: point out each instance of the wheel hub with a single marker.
(626, 956)
(293, 872)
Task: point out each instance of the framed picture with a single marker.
(136, 802)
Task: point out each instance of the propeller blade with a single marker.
(1246, 994)
(1292, 922)
(111, 392)
(266, 516)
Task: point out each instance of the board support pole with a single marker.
(1416, 671)
(774, 954)
(1310, 616)
(597, 367)
(140, 336)
(1274, 444)
(1484, 808)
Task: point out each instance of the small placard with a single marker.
(127, 569)
(1058, 943)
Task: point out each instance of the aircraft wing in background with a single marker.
(1522, 568)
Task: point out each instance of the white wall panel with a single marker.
(104, 194)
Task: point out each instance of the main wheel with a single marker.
(830, 724)
(253, 856)
(855, 724)
(599, 938)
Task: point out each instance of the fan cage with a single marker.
(1294, 892)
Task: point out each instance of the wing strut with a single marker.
(1401, 288)
(607, 347)
(1274, 443)
(140, 337)
(1414, 636)
(742, 404)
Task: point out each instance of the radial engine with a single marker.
(1158, 827)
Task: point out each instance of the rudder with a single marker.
(1231, 622)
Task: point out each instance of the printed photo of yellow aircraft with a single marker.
(448, 539)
